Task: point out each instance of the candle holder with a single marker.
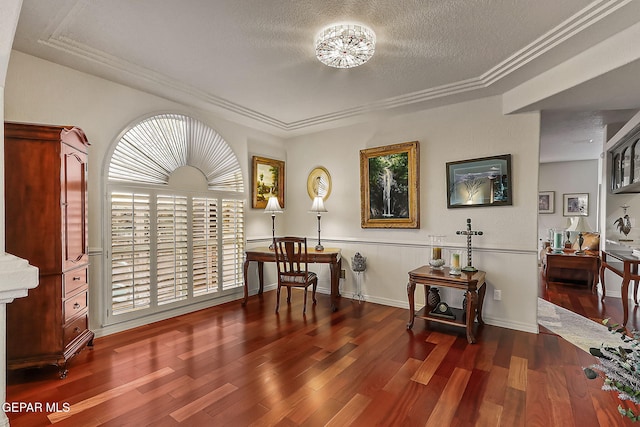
(436, 261)
(556, 243)
(455, 268)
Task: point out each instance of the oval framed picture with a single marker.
(319, 183)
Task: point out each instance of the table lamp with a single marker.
(318, 207)
(273, 208)
(580, 225)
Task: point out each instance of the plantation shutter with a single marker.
(232, 243)
(172, 249)
(205, 246)
(130, 252)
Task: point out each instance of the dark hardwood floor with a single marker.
(238, 366)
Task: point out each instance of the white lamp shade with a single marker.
(273, 207)
(318, 205)
(568, 223)
(580, 225)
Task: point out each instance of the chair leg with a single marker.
(315, 285)
(304, 307)
(288, 294)
(278, 299)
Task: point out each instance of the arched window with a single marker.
(176, 208)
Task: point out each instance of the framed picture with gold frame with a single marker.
(319, 183)
(267, 181)
(390, 187)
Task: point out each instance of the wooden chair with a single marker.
(293, 272)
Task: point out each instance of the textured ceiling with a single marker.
(254, 62)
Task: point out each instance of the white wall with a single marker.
(564, 178)
(507, 250)
(42, 92)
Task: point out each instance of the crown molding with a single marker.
(162, 85)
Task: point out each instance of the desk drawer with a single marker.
(74, 279)
(74, 329)
(75, 305)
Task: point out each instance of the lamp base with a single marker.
(469, 269)
(319, 247)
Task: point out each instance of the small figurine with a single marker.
(623, 223)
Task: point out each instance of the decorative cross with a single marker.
(469, 233)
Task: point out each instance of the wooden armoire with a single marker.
(46, 224)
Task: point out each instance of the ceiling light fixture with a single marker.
(345, 45)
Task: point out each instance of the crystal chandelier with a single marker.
(345, 46)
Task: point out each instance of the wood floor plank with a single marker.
(428, 368)
(450, 398)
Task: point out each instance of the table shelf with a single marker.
(460, 320)
(472, 283)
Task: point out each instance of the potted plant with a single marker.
(620, 368)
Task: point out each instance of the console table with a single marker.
(573, 266)
(331, 256)
(624, 265)
(472, 283)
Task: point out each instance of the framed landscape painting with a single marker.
(484, 181)
(267, 181)
(389, 186)
(546, 202)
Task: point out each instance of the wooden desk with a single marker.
(624, 265)
(472, 283)
(331, 256)
(572, 266)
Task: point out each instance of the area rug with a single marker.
(580, 331)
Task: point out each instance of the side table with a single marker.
(472, 283)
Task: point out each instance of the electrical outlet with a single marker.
(497, 294)
(342, 274)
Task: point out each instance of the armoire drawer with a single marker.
(73, 280)
(75, 305)
(74, 328)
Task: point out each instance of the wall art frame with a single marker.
(484, 181)
(267, 180)
(546, 202)
(575, 204)
(390, 187)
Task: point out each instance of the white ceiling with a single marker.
(253, 61)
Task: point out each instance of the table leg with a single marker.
(335, 283)
(625, 292)
(481, 292)
(245, 268)
(411, 288)
(634, 271)
(602, 269)
(472, 307)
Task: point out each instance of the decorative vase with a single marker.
(433, 298)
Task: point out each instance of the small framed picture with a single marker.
(546, 203)
(267, 181)
(576, 204)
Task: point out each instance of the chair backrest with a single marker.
(291, 258)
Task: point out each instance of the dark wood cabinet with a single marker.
(46, 223)
(625, 164)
